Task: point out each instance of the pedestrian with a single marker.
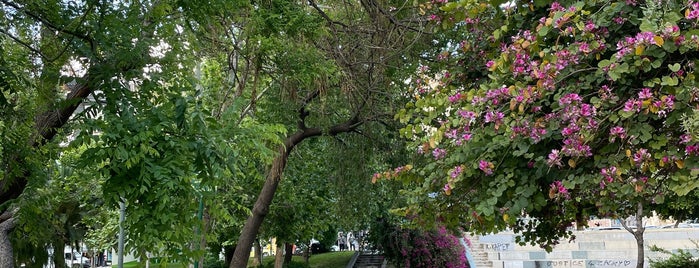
(343, 242)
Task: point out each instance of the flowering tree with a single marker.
(539, 113)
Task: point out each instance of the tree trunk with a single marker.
(7, 223)
(206, 222)
(257, 260)
(261, 207)
(279, 256)
(638, 235)
(228, 254)
(59, 257)
(288, 252)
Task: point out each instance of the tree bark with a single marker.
(288, 252)
(639, 236)
(279, 256)
(228, 254)
(257, 261)
(7, 223)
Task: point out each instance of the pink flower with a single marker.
(609, 173)
(454, 98)
(489, 64)
(554, 159)
(456, 171)
(493, 116)
(439, 153)
(590, 26)
(685, 138)
(486, 167)
(569, 98)
(617, 131)
(640, 156)
(558, 187)
(555, 6)
(669, 101)
(633, 105)
(645, 94)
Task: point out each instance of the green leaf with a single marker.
(674, 67)
(669, 81)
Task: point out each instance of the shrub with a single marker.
(412, 248)
(681, 259)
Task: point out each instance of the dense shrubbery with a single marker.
(414, 248)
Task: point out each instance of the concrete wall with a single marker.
(600, 249)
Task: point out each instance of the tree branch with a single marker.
(51, 25)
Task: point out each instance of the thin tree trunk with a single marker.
(228, 254)
(639, 236)
(206, 218)
(288, 252)
(257, 260)
(279, 256)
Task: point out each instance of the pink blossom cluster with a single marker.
(693, 13)
(606, 93)
(456, 171)
(617, 132)
(646, 99)
(627, 45)
(523, 128)
(439, 153)
(641, 156)
(692, 149)
(486, 166)
(554, 158)
(575, 117)
(496, 96)
(609, 173)
(459, 136)
(455, 98)
(559, 189)
(493, 116)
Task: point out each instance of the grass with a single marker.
(325, 260)
(135, 264)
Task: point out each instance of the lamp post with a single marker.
(120, 256)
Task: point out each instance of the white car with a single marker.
(76, 260)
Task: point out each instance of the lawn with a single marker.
(135, 264)
(325, 260)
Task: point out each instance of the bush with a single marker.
(293, 264)
(681, 259)
(212, 261)
(410, 248)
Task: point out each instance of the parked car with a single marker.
(76, 260)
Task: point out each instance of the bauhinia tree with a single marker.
(537, 114)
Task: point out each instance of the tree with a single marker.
(111, 60)
(537, 114)
(328, 81)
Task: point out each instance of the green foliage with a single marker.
(680, 259)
